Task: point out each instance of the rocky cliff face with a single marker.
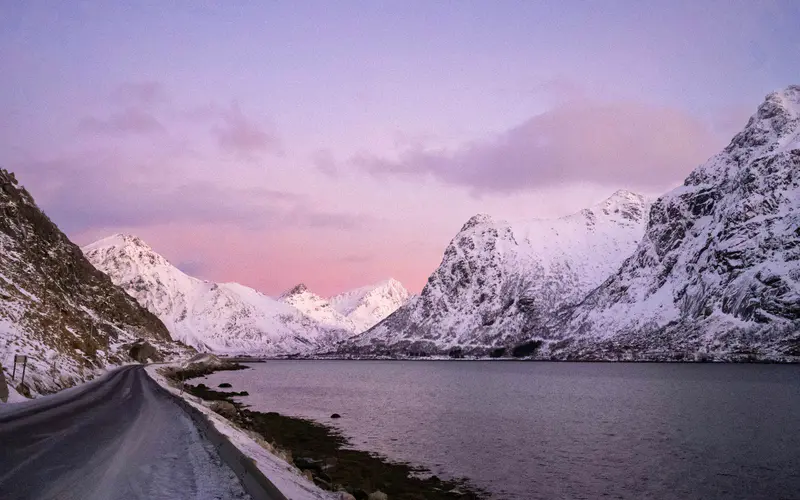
(497, 277)
(217, 317)
(55, 307)
(717, 273)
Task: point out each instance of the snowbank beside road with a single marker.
(283, 475)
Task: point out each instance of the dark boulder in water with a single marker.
(225, 385)
(336, 415)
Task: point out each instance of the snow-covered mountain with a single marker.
(55, 307)
(495, 276)
(218, 317)
(717, 273)
(356, 310)
(369, 305)
(311, 304)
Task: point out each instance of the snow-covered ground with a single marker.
(283, 475)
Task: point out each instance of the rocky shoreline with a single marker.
(321, 452)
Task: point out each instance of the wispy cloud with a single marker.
(240, 135)
(110, 198)
(578, 141)
(132, 111)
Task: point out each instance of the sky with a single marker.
(341, 143)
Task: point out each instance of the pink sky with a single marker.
(286, 143)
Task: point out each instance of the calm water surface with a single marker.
(558, 430)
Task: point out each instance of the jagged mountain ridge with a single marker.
(218, 317)
(495, 276)
(717, 273)
(356, 310)
(55, 307)
(311, 304)
(369, 305)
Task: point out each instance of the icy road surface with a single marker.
(115, 438)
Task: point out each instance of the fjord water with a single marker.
(526, 430)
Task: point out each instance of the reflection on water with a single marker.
(558, 430)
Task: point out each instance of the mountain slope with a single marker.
(311, 304)
(368, 305)
(495, 276)
(218, 317)
(356, 310)
(718, 270)
(55, 307)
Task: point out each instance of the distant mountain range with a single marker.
(357, 310)
(496, 277)
(708, 271)
(229, 317)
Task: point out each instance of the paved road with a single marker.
(115, 438)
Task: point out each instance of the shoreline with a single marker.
(321, 452)
(710, 361)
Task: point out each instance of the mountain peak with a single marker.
(118, 240)
(622, 198)
(476, 220)
(788, 99)
(774, 126)
(127, 251)
(296, 290)
(368, 305)
(627, 204)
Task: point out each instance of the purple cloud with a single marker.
(110, 197)
(134, 114)
(239, 135)
(613, 143)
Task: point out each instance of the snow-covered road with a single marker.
(118, 437)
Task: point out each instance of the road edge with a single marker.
(254, 482)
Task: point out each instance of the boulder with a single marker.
(224, 408)
(24, 390)
(225, 385)
(336, 415)
(322, 483)
(3, 386)
(303, 463)
(143, 351)
(378, 495)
